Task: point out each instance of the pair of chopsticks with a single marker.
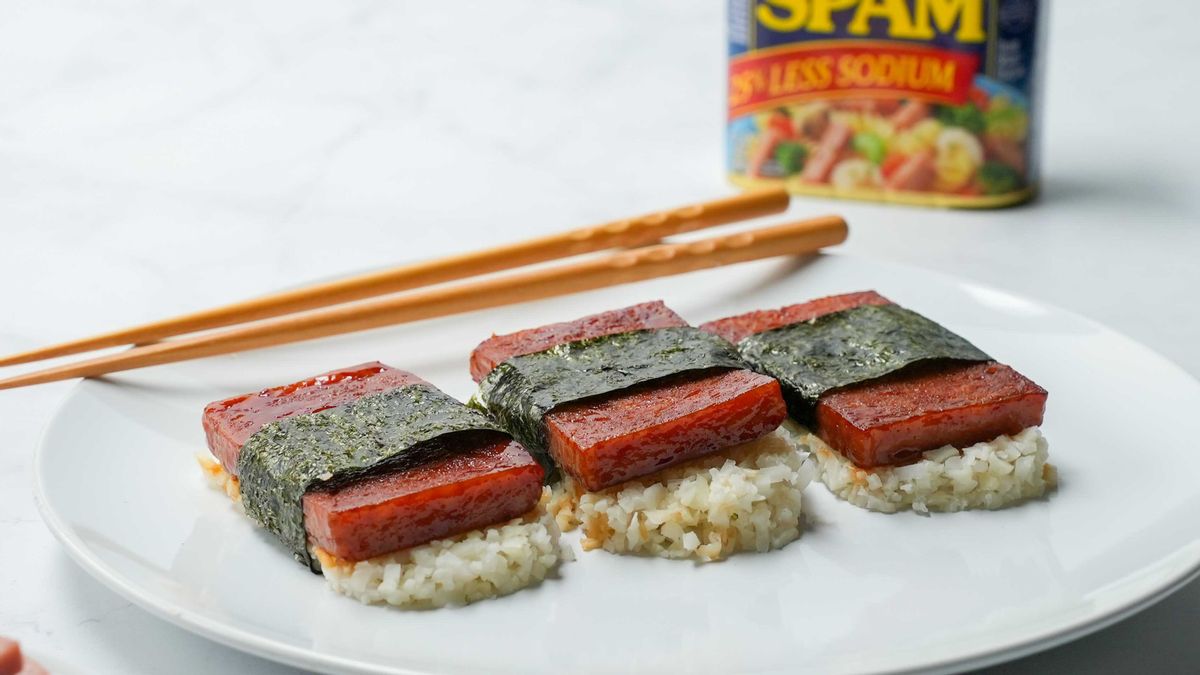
(322, 310)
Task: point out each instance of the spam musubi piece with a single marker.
(898, 411)
(358, 470)
(14, 662)
(659, 428)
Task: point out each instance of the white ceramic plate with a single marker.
(117, 483)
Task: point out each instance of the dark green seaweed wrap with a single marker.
(397, 429)
(848, 347)
(522, 389)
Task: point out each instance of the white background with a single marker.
(157, 157)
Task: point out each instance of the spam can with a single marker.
(930, 102)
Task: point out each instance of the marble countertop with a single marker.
(167, 156)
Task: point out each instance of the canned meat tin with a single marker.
(929, 102)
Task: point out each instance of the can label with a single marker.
(916, 101)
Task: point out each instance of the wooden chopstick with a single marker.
(609, 270)
(627, 233)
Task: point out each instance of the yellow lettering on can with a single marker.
(926, 20)
(894, 11)
(792, 17)
(941, 75)
(941, 14)
(821, 19)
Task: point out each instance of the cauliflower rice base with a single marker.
(746, 498)
(472, 566)
(991, 475)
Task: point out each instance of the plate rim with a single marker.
(281, 652)
(241, 640)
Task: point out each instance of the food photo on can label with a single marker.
(754, 336)
(921, 103)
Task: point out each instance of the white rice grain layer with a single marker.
(991, 475)
(745, 498)
(472, 566)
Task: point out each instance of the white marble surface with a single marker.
(162, 156)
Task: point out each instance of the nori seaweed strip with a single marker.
(397, 429)
(520, 390)
(848, 347)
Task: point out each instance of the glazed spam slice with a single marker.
(410, 464)
(14, 662)
(606, 439)
(892, 418)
